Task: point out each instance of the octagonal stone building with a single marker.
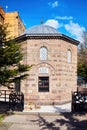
(53, 75)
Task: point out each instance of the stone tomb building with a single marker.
(54, 58)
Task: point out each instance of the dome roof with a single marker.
(41, 30)
(44, 32)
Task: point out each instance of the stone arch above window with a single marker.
(43, 53)
(69, 56)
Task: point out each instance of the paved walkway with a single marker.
(30, 120)
(39, 121)
(46, 118)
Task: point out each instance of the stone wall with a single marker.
(62, 75)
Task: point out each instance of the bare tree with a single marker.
(82, 57)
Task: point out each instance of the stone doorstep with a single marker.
(31, 106)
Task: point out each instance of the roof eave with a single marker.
(59, 36)
(72, 40)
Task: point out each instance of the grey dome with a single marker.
(44, 32)
(41, 30)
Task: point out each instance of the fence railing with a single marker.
(79, 100)
(4, 95)
(15, 100)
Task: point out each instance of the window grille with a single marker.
(43, 84)
(69, 56)
(43, 53)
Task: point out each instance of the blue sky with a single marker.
(67, 16)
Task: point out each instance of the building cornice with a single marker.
(45, 36)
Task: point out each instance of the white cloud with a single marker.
(54, 23)
(64, 17)
(54, 4)
(75, 30)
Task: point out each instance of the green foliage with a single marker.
(1, 117)
(10, 57)
(81, 70)
(10, 54)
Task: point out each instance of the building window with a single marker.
(43, 84)
(69, 56)
(43, 53)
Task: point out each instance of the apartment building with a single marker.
(15, 24)
(2, 16)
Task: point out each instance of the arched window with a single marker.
(69, 56)
(43, 53)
